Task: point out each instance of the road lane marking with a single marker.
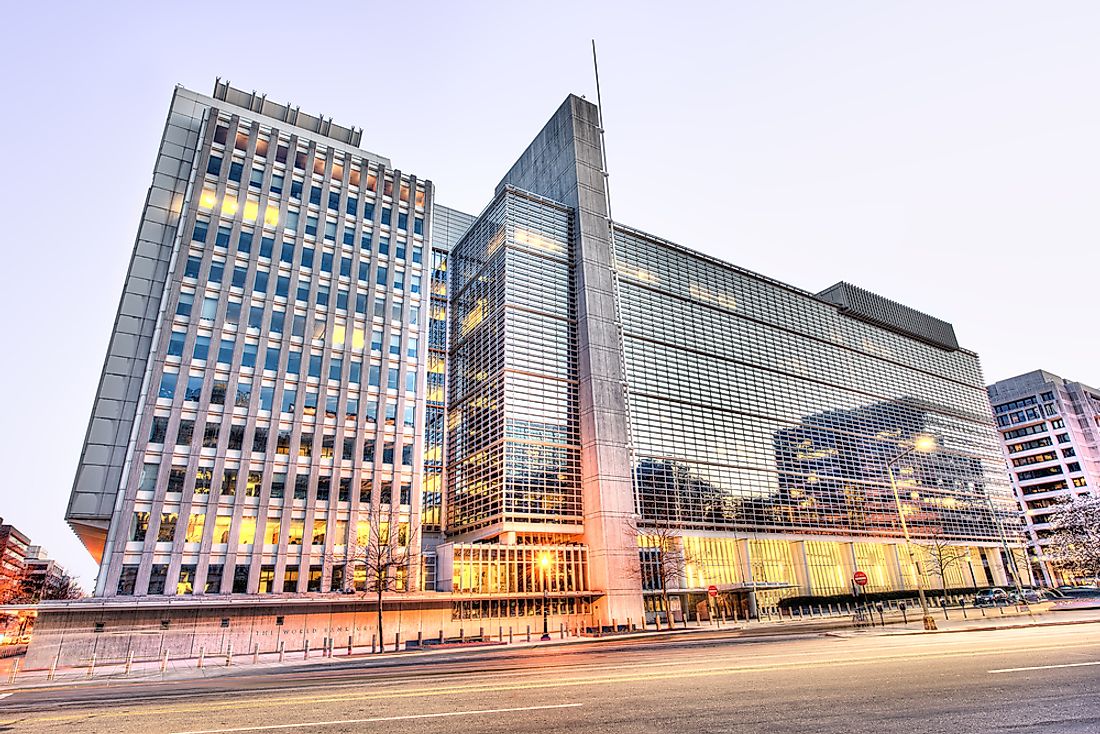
(639, 676)
(378, 719)
(5, 695)
(1044, 667)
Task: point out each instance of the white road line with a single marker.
(5, 695)
(303, 724)
(1045, 667)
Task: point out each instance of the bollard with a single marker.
(419, 638)
(509, 634)
(462, 634)
(500, 634)
(256, 654)
(164, 662)
(91, 668)
(14, 672)
(129, 663)
(481, 634)
(629, 624)
(349, 644)
(614, 625)
(397, 642)
(307, 650)
(229, 655)
(282, 651)
(528, 633)
(373, 644)
(440, 637)
(202, 657)
(561, 631)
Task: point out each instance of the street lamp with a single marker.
(544, 564)
(923, 444)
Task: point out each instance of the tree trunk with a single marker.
(381, 637)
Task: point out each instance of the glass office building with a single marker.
(309, 350)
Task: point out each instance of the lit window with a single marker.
(208, 199)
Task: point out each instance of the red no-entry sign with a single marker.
(712, 591)
(860, 578)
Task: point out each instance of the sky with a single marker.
(942, 154)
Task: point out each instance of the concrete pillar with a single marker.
(800, 564)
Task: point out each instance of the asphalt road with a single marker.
(1018, 680)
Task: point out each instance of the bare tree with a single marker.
(943, 556)
(664, 559)
(61, 587)
(382, 551)
(1074, 545)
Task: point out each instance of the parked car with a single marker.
(991, 597)
(1026, 596)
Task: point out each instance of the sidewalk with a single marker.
(956, 623)
(213, 666)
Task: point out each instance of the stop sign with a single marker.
(712, 591)
(860, 578)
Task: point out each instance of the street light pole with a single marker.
(544, 562)
(1010, 556)
(929, 621)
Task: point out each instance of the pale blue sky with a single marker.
(944, 154)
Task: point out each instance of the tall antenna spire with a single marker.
(603, 140)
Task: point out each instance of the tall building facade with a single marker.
(1050, 435)
(262, 405)
(14, 550)
(310, 352)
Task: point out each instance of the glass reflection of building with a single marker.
(761, 412)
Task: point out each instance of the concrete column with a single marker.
(800, 563)
(565, 163)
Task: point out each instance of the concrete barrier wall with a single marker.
(70, 636)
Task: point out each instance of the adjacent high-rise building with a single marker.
(1050, 434)
(310, 353)
(262, 406)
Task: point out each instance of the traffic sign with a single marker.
(860, 578)
(712, 591)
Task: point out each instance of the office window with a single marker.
(210, 435)
(139, 526)
(213, 579)
(185, 433)
(191, 270)
(194, 388)
(167, 385)
(183, 306)
(167, 530)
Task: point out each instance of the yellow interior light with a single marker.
(271, 216)
(207, 199)
(251, 211)
(229, 206)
